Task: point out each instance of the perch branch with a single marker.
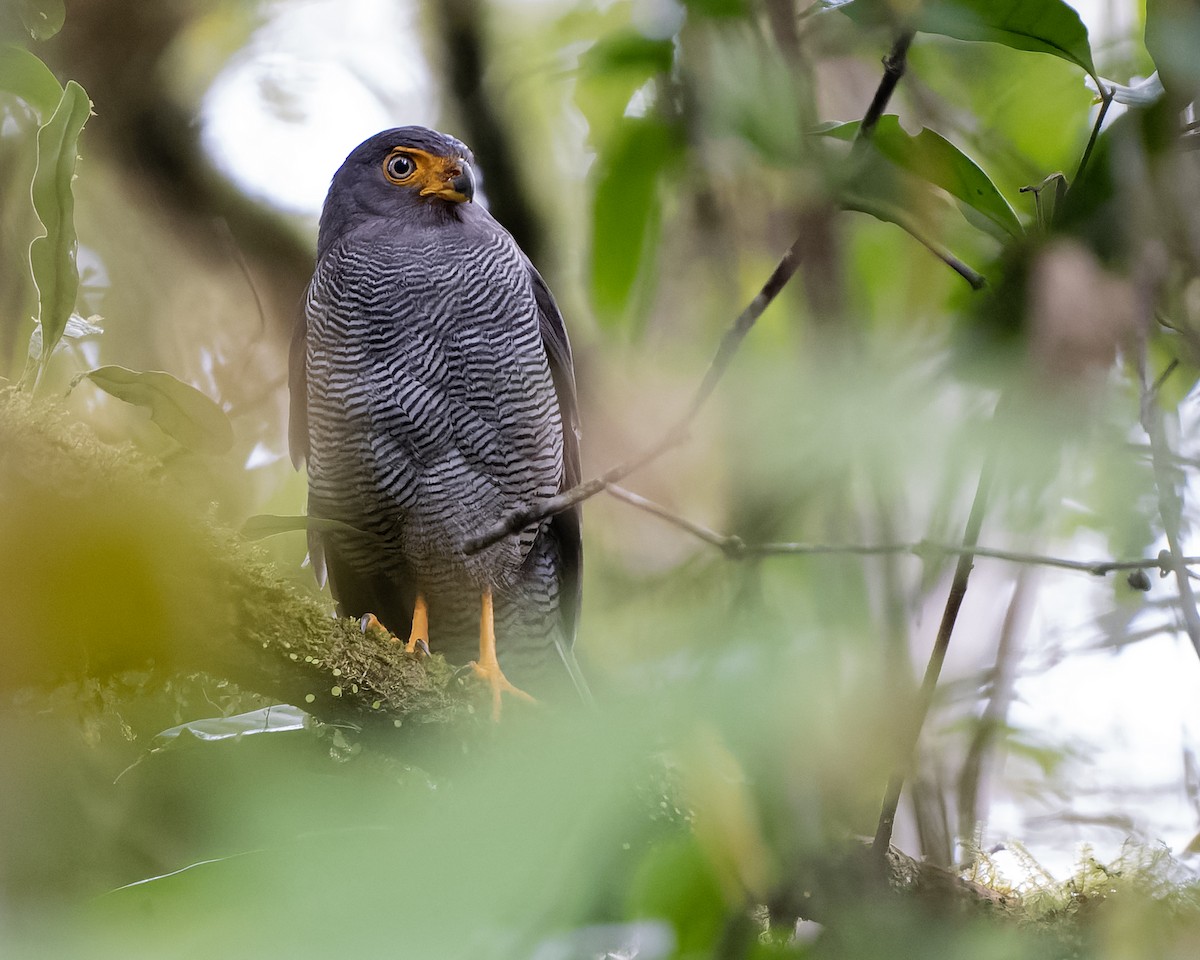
(219, 608)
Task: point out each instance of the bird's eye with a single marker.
(399, 167)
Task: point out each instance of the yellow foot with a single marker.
(487, 666)
(495, 678)
(418, 636)
(373, 627)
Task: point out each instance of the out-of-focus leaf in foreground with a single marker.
(611, 71)
(627, 209)
(484, 866)
(1173, 39)
(178, 408)
(717, 8)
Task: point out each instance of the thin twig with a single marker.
(731, 546)
(933, 670)
(737, 548)
(924, 548)
(995, 713)
(893, 69)
(1106, 99)
(520, 519)
(1170, 497)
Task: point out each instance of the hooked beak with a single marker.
(457, 184)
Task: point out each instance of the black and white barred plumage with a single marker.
(432, 394)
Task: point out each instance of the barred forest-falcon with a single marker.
(432, 393)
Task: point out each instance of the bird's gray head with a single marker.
(411, 174)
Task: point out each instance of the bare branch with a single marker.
(893, 69)
(736, 548)
(731, 546)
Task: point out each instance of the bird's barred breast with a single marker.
(432, 406)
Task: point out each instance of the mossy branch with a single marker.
(106, 563)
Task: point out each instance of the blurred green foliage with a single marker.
(751, 709)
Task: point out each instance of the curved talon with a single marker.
(370, 626)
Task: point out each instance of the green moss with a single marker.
(1142, 903)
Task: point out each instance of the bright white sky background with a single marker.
(319, 77)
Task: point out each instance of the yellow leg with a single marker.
(419, 634)
(488, 667)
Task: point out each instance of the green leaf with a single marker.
(611, 71)
(931, 156)
(626, 209)
(269, 525)
(43, 18)
(628, 50)
(52, 256)
(892, 203)
(23, 74)
(1041, 26)
(676, 882)
(178, 408)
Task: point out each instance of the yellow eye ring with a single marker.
(399, 167)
